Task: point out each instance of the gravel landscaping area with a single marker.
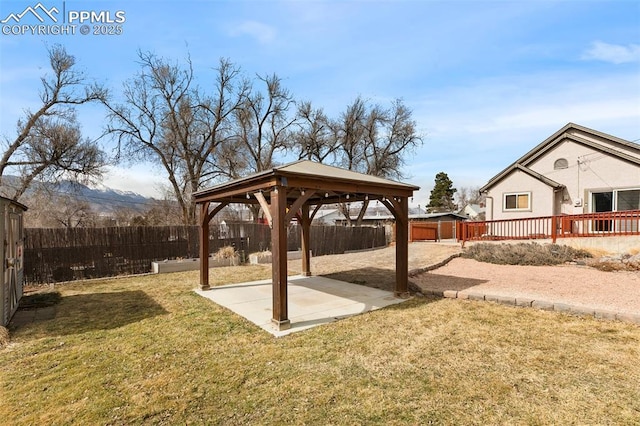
(565, 284)
(569, 287)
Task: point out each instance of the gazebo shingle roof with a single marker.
(333, 183)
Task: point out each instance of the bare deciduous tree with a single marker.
(365, 138)
(49, 144)
(51, 209)
(468, 195)
(165, 118)
(263, 128)
(315, 137)
(163, 212)
(263, 125)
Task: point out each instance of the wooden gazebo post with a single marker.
(279, 257)
(399, 207)
(204, 246)
(305, 222)
(205, 218)
(402, 248)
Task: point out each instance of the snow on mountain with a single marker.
(101, 198)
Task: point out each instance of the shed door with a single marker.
(14, 256)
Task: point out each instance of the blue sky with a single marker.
(486, 80)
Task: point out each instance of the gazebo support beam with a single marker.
(297, 204)
(266, 208)
(279, 258)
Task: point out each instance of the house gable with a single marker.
(523, 182)
(601, 142)
(574, 165)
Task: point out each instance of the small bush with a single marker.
(627, 262)
(226, 252)
(524, 254)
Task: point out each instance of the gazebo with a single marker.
(298, 190)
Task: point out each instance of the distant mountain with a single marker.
(105, 200)
(102, 200)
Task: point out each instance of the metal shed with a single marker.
(12, 255)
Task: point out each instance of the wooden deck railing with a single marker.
(553, 227)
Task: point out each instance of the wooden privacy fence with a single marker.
(63, 254)
(562, 226)
(432, 231)
(423, 231)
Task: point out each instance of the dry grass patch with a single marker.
(226, 252)
(148, 350)
(4, 337)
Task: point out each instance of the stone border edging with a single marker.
(417, 271)
(523, 302)
(539, 304)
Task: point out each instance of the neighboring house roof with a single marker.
(560, 136)
(413, 216)
(437, 215)
(326, 214)
(472, 210)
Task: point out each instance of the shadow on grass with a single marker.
(437, 283)
(385, 279)
(40, 300)
(104, 311)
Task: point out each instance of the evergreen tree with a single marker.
(441, 198)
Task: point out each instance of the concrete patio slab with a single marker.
(312, 301)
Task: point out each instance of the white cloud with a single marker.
(475, 130)
(614, 53)
(263, 33)
(543, 100)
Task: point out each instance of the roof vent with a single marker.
(561, 163)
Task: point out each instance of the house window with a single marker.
(628, 200)
(561, 163)
(517, 201)
(617, 200)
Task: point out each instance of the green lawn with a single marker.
(149, 350)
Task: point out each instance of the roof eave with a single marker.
(526, 170)
(231, 191)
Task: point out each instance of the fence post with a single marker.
(554, 229)
(463, 237)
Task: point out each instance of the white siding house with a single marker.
(576, 170)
